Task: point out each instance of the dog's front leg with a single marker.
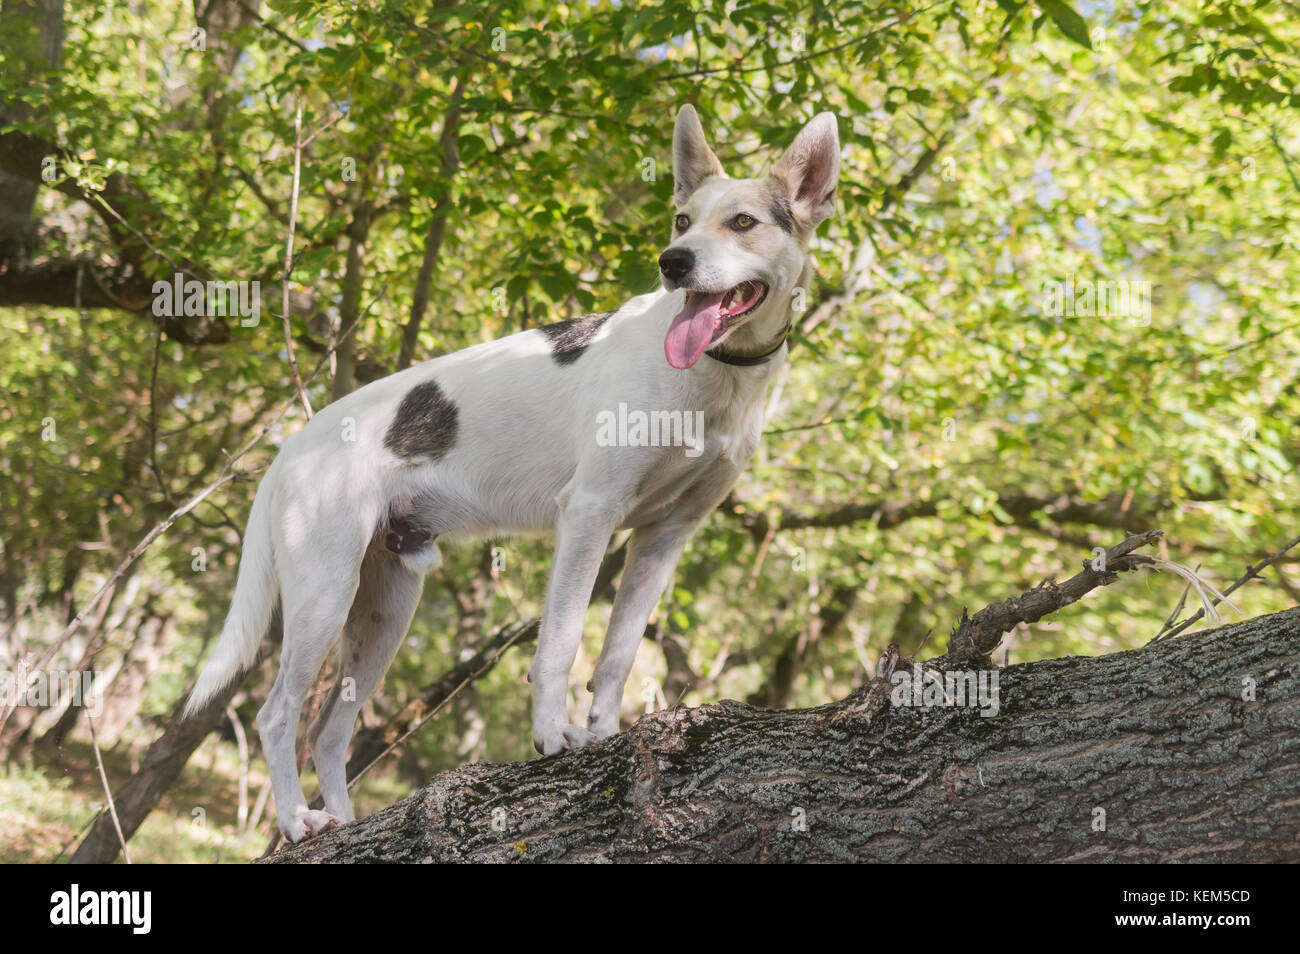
(582, 536)
(652, 556)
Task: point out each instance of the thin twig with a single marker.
(153, 418)
(267, 25)
(259, 806)
(96, 199)
(1182, 601)
(288, 259)
(1250, 574)
(327, 125)
(103, 777)
(738, 70)
(241, 740)
(522, 630)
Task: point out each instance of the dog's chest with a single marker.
(727, 437)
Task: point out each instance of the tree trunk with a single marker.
(1188, 746)
(35, 39)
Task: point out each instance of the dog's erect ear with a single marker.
(693, 160)
(810, 168)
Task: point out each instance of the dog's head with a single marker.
(740, 245)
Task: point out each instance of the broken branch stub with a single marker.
(976, 637)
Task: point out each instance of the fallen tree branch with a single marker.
(1185, 750)
(158, 770)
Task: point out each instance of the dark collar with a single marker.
(750, 360)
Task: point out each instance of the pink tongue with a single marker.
(692, 330)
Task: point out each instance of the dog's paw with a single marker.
(601, 726)
(559, 738)
(307, 823)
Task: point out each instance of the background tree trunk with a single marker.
(35, 39)
(1160, 739)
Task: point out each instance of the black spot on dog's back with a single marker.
(425, 424)
(569, 339)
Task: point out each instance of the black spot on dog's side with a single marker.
(356, 657)
(781, 213)
(425, 424)
(569, 339)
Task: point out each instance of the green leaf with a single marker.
(470, 147)
(1067, 21)
(556, 285)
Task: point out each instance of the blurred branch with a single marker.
(437, 231)
(1118, 511)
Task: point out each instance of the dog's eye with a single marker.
(683, 222)
(743, 222)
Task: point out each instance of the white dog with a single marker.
(502, 438)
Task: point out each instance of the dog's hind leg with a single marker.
(316, 601)
(381, 614)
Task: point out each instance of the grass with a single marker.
(48, 800)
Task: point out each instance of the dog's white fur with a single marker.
(524, 458)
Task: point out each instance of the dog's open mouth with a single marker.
(706, 318)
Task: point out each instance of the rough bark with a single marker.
(1160, 738)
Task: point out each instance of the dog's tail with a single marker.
(256, 590)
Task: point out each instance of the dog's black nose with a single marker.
(676, 263)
